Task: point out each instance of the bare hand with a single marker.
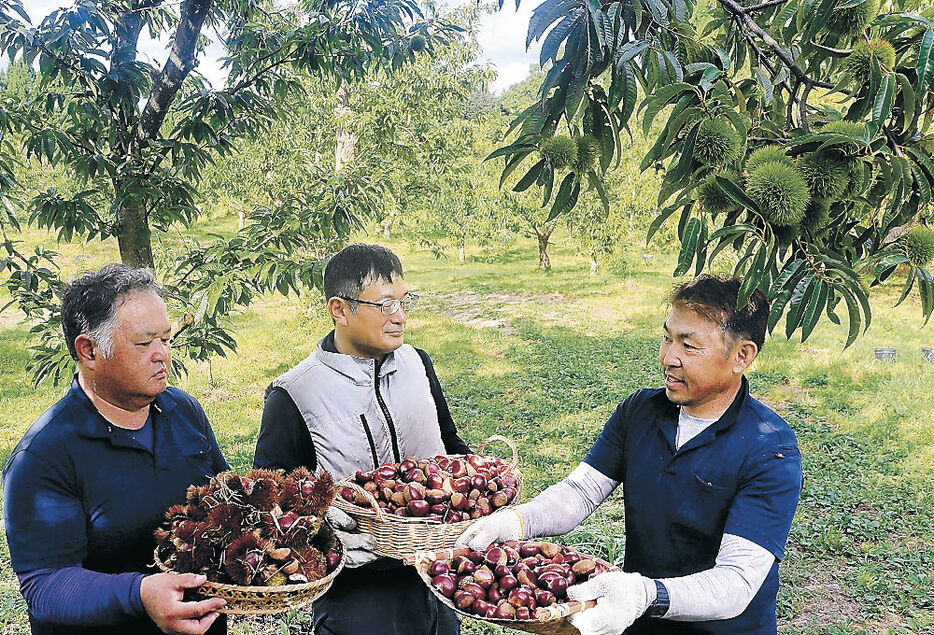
(162, 595)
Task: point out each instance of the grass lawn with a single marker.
(544, 357)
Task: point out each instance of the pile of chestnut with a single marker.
(443, 489)
(512, 581)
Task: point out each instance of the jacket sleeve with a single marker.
(284, 442)
(45, 526)
(453, 444)
(75, 596)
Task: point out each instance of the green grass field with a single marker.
(544, 357)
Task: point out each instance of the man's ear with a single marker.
(84, 348)
(743, 355)
(339, 310)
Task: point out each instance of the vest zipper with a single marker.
(382, 406)
(369, 438)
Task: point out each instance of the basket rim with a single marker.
(422, 558)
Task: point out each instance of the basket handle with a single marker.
(512, 446)
(369, 498)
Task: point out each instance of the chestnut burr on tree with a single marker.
(797, 133)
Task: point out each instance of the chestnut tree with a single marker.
(137, 137)
(796, 132)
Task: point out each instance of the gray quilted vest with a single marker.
(358, 421)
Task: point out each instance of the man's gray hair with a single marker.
(89, 304)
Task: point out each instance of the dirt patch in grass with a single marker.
(480, 310)
(823, 601)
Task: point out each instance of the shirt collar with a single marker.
(668, 421)
(93, 423)
(360, 370)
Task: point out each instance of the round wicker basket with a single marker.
(265, 600)
(401, 538)
(555, 621)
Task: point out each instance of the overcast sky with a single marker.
(502, 36)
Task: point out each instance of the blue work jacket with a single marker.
(80, 492)
(741, 475)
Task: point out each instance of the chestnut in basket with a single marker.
(514, 581)
(456, 489)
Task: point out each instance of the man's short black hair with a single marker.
(714, 298)
(357, 266)
(89, 304)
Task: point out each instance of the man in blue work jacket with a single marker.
(92, 477)
(711, 479)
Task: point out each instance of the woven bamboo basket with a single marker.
(554, 622)
(401, 538)
(265, 600)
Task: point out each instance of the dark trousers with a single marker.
(394, 601)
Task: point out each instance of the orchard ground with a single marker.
(544, 357)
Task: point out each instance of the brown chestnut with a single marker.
(495, 556)
(484, 577)
(418, 507)
(505, 611)
(463, 600)
(438, 567)
(544, 597)
(445, 585)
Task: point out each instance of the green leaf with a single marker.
(782, 289)
(659, 220)
(510, 149)
(816, 306)
(925, 67)
(563, 198)
(753, 276)
(852, 309)
(530, 177)
(926, 289)
(798, 303)
(907, 102)
(882, 105)
(734, 192)
(701, 248)
(688, 246)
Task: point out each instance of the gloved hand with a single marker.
(501, 526)
(358, 545)
(620, 601)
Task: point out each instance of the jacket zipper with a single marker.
(382, 406)
(369, 438)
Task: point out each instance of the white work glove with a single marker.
(499, 527)
(358, 545)
(620, 601)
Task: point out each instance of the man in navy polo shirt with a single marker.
(92, 477)
(711, 479)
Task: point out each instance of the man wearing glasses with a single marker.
(361, 399)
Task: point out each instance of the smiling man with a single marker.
(711, 479)
(92, 477)
(361, 399)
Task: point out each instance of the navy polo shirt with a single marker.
(741, 475)
(80, 492)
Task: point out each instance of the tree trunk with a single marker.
(544, 262)
(346, 142)
(134, 238)
(593, 265)
(461, 255)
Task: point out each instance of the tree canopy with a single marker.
(136, 137)
(796, 132)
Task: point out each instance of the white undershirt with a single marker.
(689, 427)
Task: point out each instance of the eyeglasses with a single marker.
(389, 307)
